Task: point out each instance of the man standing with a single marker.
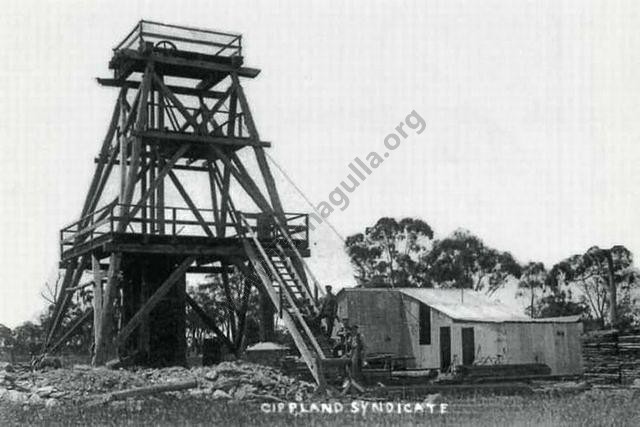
(342, 347)
(328, 310)
(356, 353)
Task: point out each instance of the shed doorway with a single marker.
(445, 348)
(468, 346)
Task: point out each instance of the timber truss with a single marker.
(181, 109)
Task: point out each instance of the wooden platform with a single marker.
(205, 247)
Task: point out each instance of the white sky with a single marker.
(532, 114)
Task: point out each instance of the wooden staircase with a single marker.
(283, 274)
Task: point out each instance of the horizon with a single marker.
(530, 138)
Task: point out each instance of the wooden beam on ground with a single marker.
(180, 90)
(151, 303)
(145, 391)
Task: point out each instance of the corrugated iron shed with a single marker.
(468, 305)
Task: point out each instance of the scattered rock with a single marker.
(34, 399)
(45, 391)
(82, 383)
(242, 391)
(51, 403)
(211, 375)
(6, 366)
(221, 394)
(82, 367)
(16, 396)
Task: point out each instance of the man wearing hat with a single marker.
(328, 310)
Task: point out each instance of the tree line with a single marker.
(597, 284)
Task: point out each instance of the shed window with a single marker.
(425, 324)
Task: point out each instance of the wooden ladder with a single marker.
(293, 298)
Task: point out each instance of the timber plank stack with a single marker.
(611, 356)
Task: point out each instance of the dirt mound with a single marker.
(228, 380)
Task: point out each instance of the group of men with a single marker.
(350, 342)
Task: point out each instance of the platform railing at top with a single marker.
(169, 221)
(209, 42)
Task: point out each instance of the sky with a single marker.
(531, 112)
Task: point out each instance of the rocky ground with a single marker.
(232, 381)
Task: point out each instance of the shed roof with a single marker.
(467, 305)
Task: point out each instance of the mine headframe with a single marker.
(181, 109)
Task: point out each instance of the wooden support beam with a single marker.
(133, 114)
(136, 143)
(65, 297)
(203, 65)
(307, 355)
(66, 280)
(201, 139)
(176, 102)
(179, 90)
(208, 321)
(105, 177)
(224, 190)
(189, 168)
(151, 303)
(79, 321)
(123, 142)
(192, 206)
(233, 106)
(214, 198)
(159, 179)
(207, 114)
(103, 345)
(104, 151)
(259, 152)
(97, 296)
(245, 180)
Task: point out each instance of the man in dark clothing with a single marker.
(328, 310)
(356, 353)
(344, 333)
